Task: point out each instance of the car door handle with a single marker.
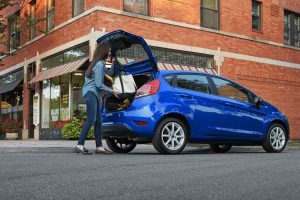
(185, 96)
(229, 104)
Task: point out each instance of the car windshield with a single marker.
(135, 53)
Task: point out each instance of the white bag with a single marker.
(124, 84)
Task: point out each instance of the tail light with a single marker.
(148, 89)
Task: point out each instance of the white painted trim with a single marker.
(261, 60)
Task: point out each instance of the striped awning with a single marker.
(58, 71)
(166, 66)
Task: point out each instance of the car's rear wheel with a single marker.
(120, 145)
(220, 148)
(276, 139)
(170, 136)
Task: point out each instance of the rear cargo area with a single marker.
(112, 104)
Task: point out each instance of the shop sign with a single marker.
(36, 109)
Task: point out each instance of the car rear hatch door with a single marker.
(132, 52)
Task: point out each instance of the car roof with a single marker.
(163, 72)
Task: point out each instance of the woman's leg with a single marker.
(91, 105)
(98, 124)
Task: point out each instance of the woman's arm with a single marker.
(99, 75)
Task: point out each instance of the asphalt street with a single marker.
(243, 173)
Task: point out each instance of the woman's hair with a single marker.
(101, 53)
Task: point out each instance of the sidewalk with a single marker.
(42, 146)
(67, 146)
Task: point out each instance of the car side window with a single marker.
(230, 90)
(169, 78)
(194, 82)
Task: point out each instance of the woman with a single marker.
(93, 86)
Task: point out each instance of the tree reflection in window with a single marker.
(197, 83)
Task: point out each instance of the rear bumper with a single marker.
(116, 131)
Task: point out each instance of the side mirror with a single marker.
(257, 101)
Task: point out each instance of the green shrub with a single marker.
(72, 130)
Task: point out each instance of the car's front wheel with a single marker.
(120, 145)
(170, 136)
(220, 148)
(276, 139)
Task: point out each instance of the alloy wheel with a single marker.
(277, 138)
(173, 135)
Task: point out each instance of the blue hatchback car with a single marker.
(171, 108)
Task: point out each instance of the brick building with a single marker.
(256, 43)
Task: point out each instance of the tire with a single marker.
(120, 145)
(220, 148)
(276, 139)
(166, 140)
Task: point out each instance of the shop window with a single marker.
(50, 14)
(64, 115)
(292, 28)
(137, 6)
(256, 15)
(210, 14)
(55, 102)
(12, 101)
(14, 32)
(32, 28)
(78, 7)
(77, 84)
(45, 104)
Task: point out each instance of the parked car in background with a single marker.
(171, 108)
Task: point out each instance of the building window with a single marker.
(182, 58)
(210, 14)
(78, 7)
(137, 53)
(50, 14)
(65, 57)
(137, 6)
(292, 28)
(256, 15)
(14, 32)
(32, 27)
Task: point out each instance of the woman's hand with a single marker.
(109, 78)
(115, 94)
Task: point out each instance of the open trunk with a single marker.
(112, 104)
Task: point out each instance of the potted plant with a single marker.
(11, 128)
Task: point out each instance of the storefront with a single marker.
(11, 100)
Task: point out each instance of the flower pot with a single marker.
(11, 136)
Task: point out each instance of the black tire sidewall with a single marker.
(216, 148)
(115, 148)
